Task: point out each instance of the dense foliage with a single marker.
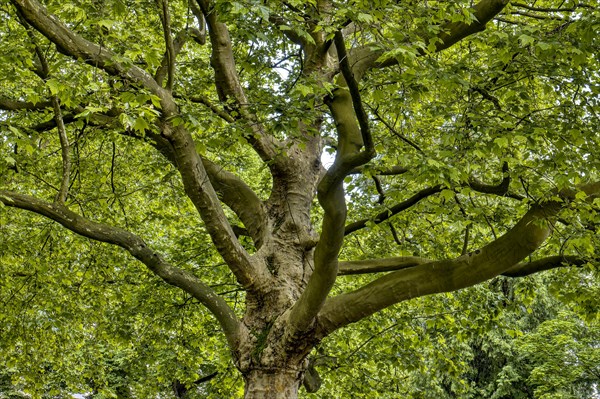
(446, 138)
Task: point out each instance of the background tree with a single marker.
(462, 142)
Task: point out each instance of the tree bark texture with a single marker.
(289, 276)
(272, 384)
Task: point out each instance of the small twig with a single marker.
(394, 234)
(395, 132)
(65, 151)
(379, 189)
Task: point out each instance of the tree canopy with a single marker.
(235, 198)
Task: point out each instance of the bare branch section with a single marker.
(326, 252)
(498, 257)
(136, 247)
(346, 69)
(346, 107)
(165, 67)
(232, 190)
(229, 87)
(241, 199)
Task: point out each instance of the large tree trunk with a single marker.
(272, 384)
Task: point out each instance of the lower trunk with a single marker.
(272, 384)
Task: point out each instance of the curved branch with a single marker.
(44, 73)
(361, 115)
(441, 276)
(326, 252)
(498, 257)
(242, 200)
(500, 189)
(78, 48)
(364, 58)
(232, 190)
(179, 147)
(165, 66)
(139, 249)
(229, 87)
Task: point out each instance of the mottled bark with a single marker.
(272, 384)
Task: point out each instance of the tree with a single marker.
(123, 121)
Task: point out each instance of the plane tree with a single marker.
(337, 157)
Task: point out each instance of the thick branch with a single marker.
(364, 58)
(441, 276)
(232, 190)
(498, 257)
(228, 84)
(241, 199)
(178, 145)
(522, 269)
(92, 54)
(323, 277)
(136, 247)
